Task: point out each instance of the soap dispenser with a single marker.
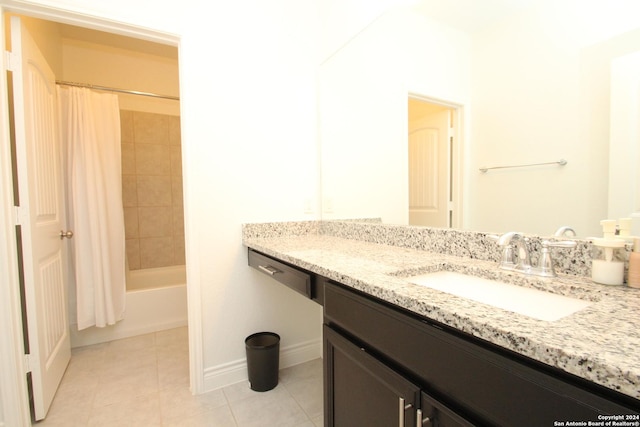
(624, 228)
(608, 256)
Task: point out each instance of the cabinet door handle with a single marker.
(268, 269)
(401, 410)
(419, 421)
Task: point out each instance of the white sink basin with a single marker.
(527, 301)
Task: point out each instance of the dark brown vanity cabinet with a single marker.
(363, 391)
(387, 367)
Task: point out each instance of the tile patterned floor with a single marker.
(144, 381)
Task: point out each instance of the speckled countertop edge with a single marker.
(600, 343)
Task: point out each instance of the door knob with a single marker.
(67, 234)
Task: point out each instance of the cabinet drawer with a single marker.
(298, 280)
(488, 386)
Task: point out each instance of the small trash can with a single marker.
(263, 360)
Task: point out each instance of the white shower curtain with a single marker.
(90, 135)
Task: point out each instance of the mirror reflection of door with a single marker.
(430, 164)
(624, 142)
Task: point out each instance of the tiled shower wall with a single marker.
(152, 189)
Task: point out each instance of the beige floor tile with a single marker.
(239, 391)
(173, 366)
(308, 393)
(143, 412)
(311, 369)
(74, 397)
(216, 417)
(64, 420)
(273, 408)
(173, 374)
(121, 347)
(85, 362)
(176, 336)
(178, 402)
(144, 381)
(123, 367)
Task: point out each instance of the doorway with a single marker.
(434, 152)
(116, 41)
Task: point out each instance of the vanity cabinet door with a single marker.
(362, 391)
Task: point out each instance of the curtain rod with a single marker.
(113, 89)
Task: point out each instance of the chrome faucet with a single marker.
(545, 263)
(506, 241)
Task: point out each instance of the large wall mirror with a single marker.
(529, 84)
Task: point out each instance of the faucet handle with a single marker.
(545, 263)
(507, 258)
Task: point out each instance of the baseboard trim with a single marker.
(234, 372)
(94, 335)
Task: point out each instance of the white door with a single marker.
(40, 216)
(429, 170)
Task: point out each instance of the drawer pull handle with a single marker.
(419, 421)
(268, 269)
(401, 409)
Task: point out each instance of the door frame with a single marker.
(456, 162)
(14, 404)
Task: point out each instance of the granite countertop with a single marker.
(600, 343)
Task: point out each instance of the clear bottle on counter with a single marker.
(608, 256)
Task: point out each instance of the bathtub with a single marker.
(156, 300)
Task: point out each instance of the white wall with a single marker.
(249, 119)
(540, 93)
(364, 89)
